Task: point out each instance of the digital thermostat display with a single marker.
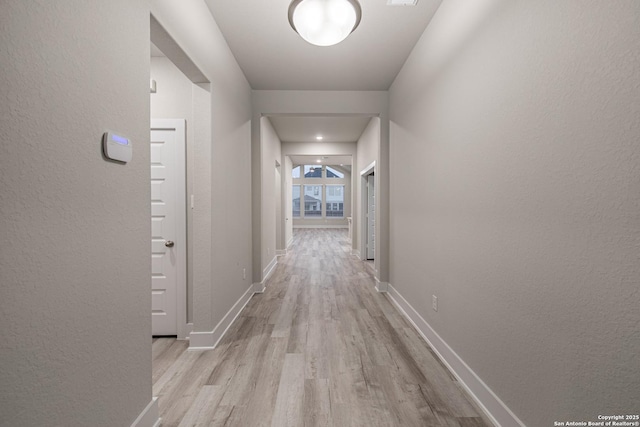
(120, 140)
(116, 147)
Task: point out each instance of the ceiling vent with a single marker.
(402, 2)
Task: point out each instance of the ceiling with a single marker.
(273, 56)
(324, 160)
(332, 129)
(155, 52)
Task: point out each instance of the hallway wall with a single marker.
(75, 340)
(514, 199)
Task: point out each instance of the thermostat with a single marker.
(117, 147)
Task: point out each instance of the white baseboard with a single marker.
(150, 416)
(355, 252)
(268, 270)
(185, 331)
(209, 340)
(322, 226)
(491, 404)
(258, 288)
(281, 252)
(290, 242)
(381, 287)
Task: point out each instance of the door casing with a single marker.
(363, 209)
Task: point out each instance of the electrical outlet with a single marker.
(244, 273)
(434, 302)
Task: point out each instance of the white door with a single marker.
(371, 217)
(168, 225)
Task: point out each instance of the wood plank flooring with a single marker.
(319, 348)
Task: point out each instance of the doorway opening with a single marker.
(179, 90)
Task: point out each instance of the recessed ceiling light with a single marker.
(319, 161)
(319, 137)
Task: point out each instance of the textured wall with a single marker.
(74, 264)
(228, 226)
(515, 198)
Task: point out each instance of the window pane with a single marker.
(312, 171)
(334, 173)
(335, 201)
(295, 172)
(313, 201)
(296, 201)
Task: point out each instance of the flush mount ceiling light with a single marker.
(324, 22)
(402, 2)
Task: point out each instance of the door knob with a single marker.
(169, 244)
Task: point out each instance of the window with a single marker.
(334, 191)
(315, 198)
(295, 195)
(334, 173)
(312, 201)
(335, 201)
(313, 171)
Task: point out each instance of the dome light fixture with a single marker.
(324, 22)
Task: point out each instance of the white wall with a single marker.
(74, 265)
(223, 220)
(514, 161)
(270, 154)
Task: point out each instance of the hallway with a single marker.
(319, 347)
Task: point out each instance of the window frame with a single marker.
(322, 184)
(333, 202)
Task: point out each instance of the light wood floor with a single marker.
(319, 348)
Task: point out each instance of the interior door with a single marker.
(371, 217)
(168, 224)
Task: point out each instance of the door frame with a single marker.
(364, 203)
(180, 239)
